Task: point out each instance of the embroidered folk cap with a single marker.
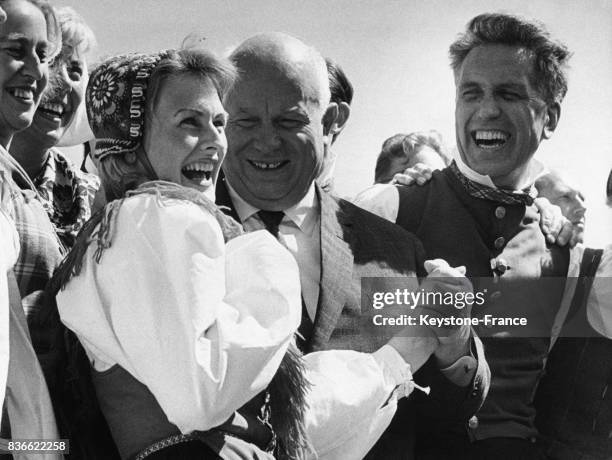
(116, 101)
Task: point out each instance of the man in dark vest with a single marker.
(510, 81)
(280, 121)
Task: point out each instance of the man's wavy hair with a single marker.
(549, 75)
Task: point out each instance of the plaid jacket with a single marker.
(40, 254)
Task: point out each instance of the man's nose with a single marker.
(267, 138)
(488, 107)
(579, 207)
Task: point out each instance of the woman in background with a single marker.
(67, 192)
(29, 37)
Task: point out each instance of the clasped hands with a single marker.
(453, 336)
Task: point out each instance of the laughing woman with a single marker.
(186, 320)
(28, 38)
(67, 192)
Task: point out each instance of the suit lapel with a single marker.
(336, 269)
(223, 199)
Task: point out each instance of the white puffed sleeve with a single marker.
(202, 324)
(352, 400)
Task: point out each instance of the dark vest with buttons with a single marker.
(508, 260)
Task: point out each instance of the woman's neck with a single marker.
(31, 157)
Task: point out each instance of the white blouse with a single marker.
(203, 324)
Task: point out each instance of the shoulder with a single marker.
(379, 229)
(380, 199)
(156, 217)
(605, 265)
(10, 240)
(375, 192)
(437, 184)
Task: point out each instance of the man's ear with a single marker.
(330, 119)
(553, 113)
(344, 112)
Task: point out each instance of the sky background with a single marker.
(395, 54)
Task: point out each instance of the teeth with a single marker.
(203, 166)
(490, 138)
(23, 93)
(199, 172)
(57, 108)
(263, 165)
(490, 135)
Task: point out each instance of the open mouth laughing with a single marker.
(52, 110)
(200, 172)
(23, 94)
(268, 165)
(490, 138)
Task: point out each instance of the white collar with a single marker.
(535, 170)
(303, 214)
(468, 172)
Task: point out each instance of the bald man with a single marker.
(281, 121)
(561, 192)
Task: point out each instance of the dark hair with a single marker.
(407, 145)
(340, 87)
(551, 56)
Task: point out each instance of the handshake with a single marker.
(452, 334)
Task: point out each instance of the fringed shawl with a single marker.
(288, 387)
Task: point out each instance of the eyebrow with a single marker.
(19, 37)
(514, 86)
(469, 84)
(198, 111)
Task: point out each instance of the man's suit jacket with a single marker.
(357, 244)
(354, 244)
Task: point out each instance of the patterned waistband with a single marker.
(199, 436)
(163, 444)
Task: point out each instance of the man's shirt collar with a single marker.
(303, 214)
(535, 170)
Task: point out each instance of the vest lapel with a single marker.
(336, 269)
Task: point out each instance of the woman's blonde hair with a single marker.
(76, 34)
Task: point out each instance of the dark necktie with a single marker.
(272, 219)
(497, 195)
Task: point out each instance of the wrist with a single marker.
(449, 351)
